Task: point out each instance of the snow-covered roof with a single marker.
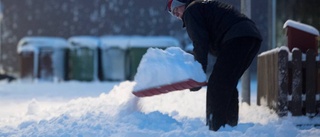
(41, 41)
(154, 41)
(301, 26)
(115, 41)
(84, 41)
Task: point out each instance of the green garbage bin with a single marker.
(83, 58)
(47, 55)
(113, 56)
(139, 45)
(134, 57)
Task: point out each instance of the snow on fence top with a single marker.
(84, 41)
(285, 48)
(301, 26)
(154, 41)
(121, 42)
(34, 42)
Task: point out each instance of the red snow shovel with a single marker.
(186, 84)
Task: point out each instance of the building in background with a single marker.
(67, 18)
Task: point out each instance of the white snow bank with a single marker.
(301, 26)
(162, 67)
(118, 113)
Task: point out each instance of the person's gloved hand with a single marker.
(195, 89)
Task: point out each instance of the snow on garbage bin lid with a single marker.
(34, 42)
(27, 47)
(154, 41)
(84, 41)
(121, 42)
(161, 71)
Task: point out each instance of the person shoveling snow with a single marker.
(219, 29)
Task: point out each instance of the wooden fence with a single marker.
(289, 81)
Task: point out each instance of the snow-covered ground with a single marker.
(109, 109)
(89, 109)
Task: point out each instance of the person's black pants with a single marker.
(233, 59)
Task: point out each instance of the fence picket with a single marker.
(295, 105)
(273, 74)
(270, 99)
(261, 74)
(282, 105)
(311, 82)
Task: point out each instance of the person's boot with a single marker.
(215, 118)
(233, 110)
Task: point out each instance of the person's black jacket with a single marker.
(210, 23)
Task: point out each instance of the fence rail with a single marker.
(289, 81)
